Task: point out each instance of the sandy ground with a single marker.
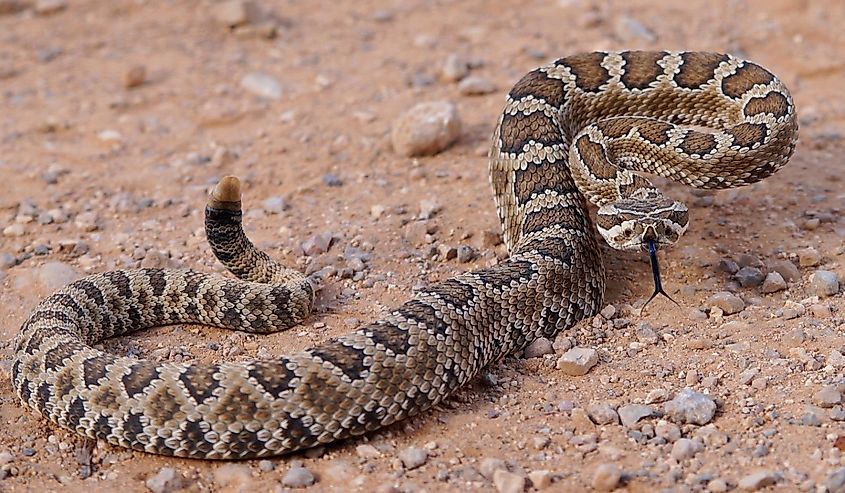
(98, 175)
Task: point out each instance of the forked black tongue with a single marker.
(655, 270)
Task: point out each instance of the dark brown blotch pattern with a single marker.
(698, 68)
(774, 104)
(641, 68)
(595, 159)
(748, 134)
(698, 143)
(537, 84)
(589, 74)
(520, 129)
(744, 78)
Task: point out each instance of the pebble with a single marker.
(538, 348)
(758, 480)
(298, 477)
(728, 302)
(792, 310)
(508, 482)
(53, 276)
(413, 457)
(631, 414)
(718, 485)
(426, 129)
(465, 254)
(475, 85)
(749, 277)
(786, 269)
(606, 477)
(86, 221)
(332, 180)
(809, 257)
(824, 283)
(690, 406)
(835, 483)
(578, 361)
(684, 449)
(49, 7)
(489, 466)
(167, 480)
(266, 465)
(602, 413)
(836, 359)
(828, 396)
(232, 13)
(274, 205)
(14, 230)
(428, 208)
(367, 451)
(317, 244)
(261, 84)
(455, 68)
(540, 479)
(135, 76)
(773, 283)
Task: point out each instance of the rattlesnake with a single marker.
(579, 128)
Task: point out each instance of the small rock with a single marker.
(110, 136)
(455, 68)
(426, 129)
(758, 480)
(606, 477)
(266, 465)
(86, 221)
(602, 413)
(786, 269)
(540, 479)
(413, 457)
(728, 302)
(749, 277)
(135, 76)
(836, 359)
(684, 449)
(428, 208)
(824, 283)
(508, 482)
(14, 230)
(773, 283)
(49, 7)
(538, 348)
(828, 396)
(729, 266)
(465, 254)
(820, 310)
(608, 312)
(792, 310)
(53, 276)
(690, 406)
(332, 180)
(578, 361)
(274, 205)
(476, 86)
(167, 480)
(231, 13)
(317, 244)
(489, 466)
(811, 417)
(809, 257)
(298, 477)
(631, 414)
(367, 451)
(835, 483)
(261, 84)
(718, 485)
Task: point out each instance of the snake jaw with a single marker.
(655, 270)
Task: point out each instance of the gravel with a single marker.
(606, 477)
(749, 277)
(578, 361)
(692, 407)
(298, 477)
(538, 348)
(426, 129)
(757, 480)
(602, 413)
(413, 457)
(728, 302)
(631, 414)
(828, 396)
(773, 283)
(824, 283)
(684, 449)
(262, 85)
(167, 480)
(508, 482)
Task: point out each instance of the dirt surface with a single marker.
(105, 167)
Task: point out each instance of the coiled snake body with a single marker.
(579, 128)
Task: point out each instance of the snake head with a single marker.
(645, 217)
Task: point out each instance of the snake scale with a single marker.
(584, 127)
